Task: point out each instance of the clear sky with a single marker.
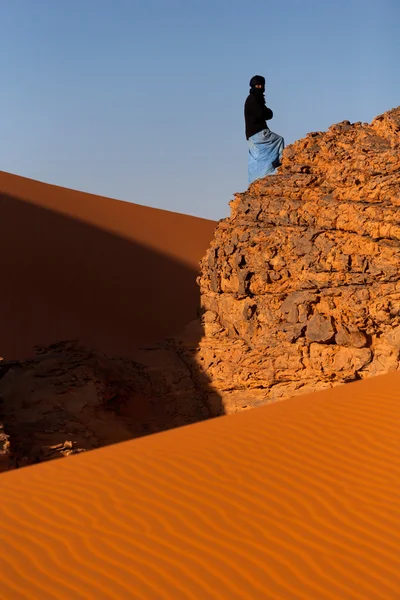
(142, 100)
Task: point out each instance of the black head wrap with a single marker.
(258, 92)
(257, 80)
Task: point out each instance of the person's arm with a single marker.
(258, 110)
(268, 114)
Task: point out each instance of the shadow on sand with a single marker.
(64, 279)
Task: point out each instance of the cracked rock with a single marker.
(303, 277)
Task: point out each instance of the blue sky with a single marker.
(142, 100)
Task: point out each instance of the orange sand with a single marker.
(295, 500)
(78, 266)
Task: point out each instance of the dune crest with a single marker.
(111, 274)
(172, 234)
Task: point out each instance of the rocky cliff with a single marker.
(301, 285)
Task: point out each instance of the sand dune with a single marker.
(298, 499)
(77, 266)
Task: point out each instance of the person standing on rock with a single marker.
(265, 147)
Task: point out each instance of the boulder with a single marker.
(303, 279)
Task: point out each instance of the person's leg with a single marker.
(276, 145)
(254, 158)
(265, 152)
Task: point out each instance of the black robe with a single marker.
(256, 113)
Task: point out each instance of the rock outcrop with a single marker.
(301, 285)
(69, 399)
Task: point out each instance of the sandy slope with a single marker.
(298, 499)
(111, 273)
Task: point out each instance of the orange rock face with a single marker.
(301, 285)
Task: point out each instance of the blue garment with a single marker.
(265, 153)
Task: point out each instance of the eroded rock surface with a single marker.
(69, 399)
(301, 285)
